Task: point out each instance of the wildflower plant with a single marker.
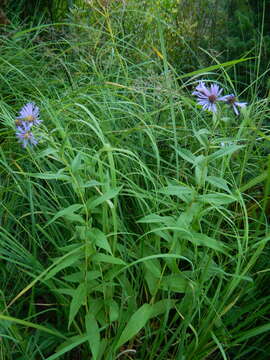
(231, 100)
(25, 135)
(208, 97)
(137, 211)
(27, 120)
(29, 114)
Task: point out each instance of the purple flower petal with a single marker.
(25, 136)
(29, 113)
(201, 88)
(207, 97)
(231, 100)
(240, 104)
(235, 109)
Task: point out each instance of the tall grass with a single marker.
(138, 227)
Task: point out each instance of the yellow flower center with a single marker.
(29, 118)
(27, 135)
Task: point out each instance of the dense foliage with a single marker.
(134, 217)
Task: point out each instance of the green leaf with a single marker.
(152, 282)
(226, 150)
(215, 67)
(244, 336)
(154, 218)
(92, 183)
(162, 307)
(163, 234)
(78, 299)
(186, 155)
(74, 218)
(220, 346)
(66, 262)
(201, 170)
(152, 274)
(48, 151)
(68, 213)
(113, 311)
(65, 291)
(105, 197)
(261, 242)
(107, 259)
(202, 136)
(203, 240)
(28, 324)
(67, 346)
(79, 276)
(217, 199)
(99, 239)
(255, 181)
(51, 176)
(218, 182)
(93, 334)
(176, 283)
(135, 324)
(187, 217)
(154, 267)
(183, 192)
(76, 163)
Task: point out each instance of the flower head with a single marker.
(29, 114)
(231, 100)
(25, 136)
(207, 97)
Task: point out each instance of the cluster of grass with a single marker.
(138, 227)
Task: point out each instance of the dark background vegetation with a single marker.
(225, 30)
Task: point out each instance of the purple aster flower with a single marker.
(231, 100)
(29, 114)
(207, 97)
(25, 136)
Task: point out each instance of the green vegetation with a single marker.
(137, 228)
